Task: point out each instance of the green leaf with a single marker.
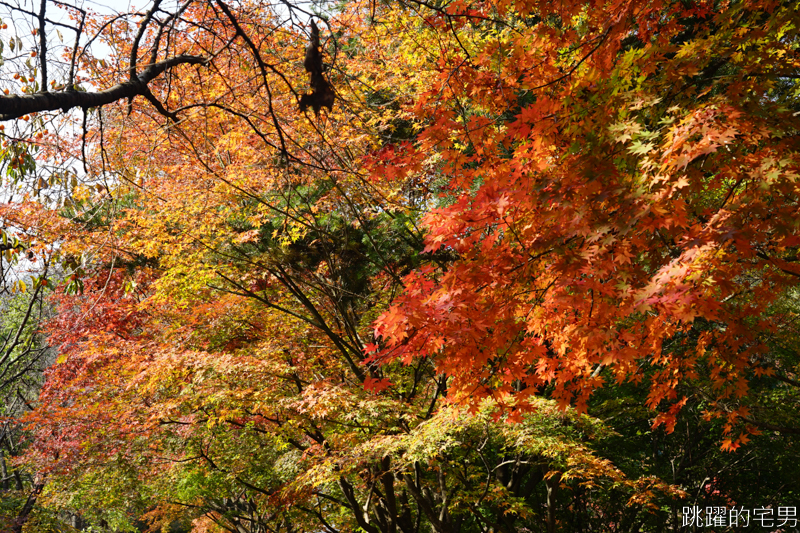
(640, 148)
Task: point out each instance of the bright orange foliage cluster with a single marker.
(622, 196)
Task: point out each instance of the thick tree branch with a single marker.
(43, 44)
(425, 504)
(12, 107)
(25, 512)
(135, 45)
(361, 515)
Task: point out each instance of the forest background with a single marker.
(399, 266)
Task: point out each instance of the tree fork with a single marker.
(12, 107)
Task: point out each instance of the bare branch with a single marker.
(135, 46)
(12, 107)
(43, 44)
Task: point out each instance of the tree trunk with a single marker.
(25, 512)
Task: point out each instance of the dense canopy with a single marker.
(398, 267)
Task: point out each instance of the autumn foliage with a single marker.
(522, 233)
(622, 195)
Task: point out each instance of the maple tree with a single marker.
(22, 363)
(622, 201)
(377, 315)
(248, 432)
(240, 327)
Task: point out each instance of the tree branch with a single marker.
(12, 107)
